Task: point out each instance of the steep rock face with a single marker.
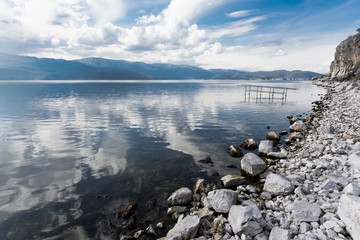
(347, 57)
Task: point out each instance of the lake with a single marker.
(73, 152)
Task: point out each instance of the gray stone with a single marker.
(221, 200)
(265, 147)
(266, 196)
(349, 213)
(185, 229)
(204, 212)
(329, 185)
(298, 126)
(252, 164)
(278, 185)
(352, 189)
(181, 196)
(276, 155)
(279, 234)
(232, 180)
(245, 219)
(303, 211)
(305, 227)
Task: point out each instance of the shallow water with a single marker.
(72, 152)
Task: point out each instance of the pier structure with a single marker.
(266, 93)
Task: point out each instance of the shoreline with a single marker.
(317, 168)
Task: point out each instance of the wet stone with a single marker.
(126, 211)
(249, 144)
(235, 151)
(181, 196)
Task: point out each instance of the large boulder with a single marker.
(278, 185)
(245, 219)
(303, 211)
(265, 147)
(298, 126)
(232, 180)
(278, 233)
(249, 144)
(252, 164)
(349, 213)
(185, 229)
(234, 151)
(181, 196)
(221, 200)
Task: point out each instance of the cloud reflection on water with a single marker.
(68, 139)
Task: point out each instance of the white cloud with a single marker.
(281, 53)
(239, 14)
(236, 28)
(106, 10)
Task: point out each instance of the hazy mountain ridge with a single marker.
(14, 67)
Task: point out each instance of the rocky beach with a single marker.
(308, 189)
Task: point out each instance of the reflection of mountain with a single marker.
(13, 67)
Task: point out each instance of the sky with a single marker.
(246, 35)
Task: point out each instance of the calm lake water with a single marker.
(71, 153)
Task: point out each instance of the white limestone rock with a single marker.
(252, 164)
(245, 220)
(221, 200)
(298, 126)
(352, 189)
(184, 229)
(278, 185)
(278, 233)
(349, 213)
(265, 147)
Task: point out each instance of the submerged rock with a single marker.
(126, 211)
(181, 196)
(221, 200)
(232, 180)
(252, 164)
(207, 160)
(249, 144)
(234, 151)
(185, 229)
(278, 185)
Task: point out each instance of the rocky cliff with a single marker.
(347, 58)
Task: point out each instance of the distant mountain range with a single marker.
(14, 67)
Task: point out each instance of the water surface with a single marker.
(72, 152)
